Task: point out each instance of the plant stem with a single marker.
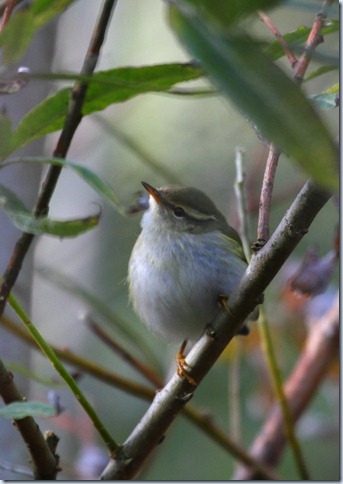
(268, 351)
(112, 446)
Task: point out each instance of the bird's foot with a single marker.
(182, 364)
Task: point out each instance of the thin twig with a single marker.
(43, 461)
(268, 22)
(299, 69)
(266, 195)
(314, 39)
(10, 5)
(321, 349)
(112, 446)
(71, 123)
(204, 422)
(242, 203)
(125, 355)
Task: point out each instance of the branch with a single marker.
(170, 401)
(314, 39)
(289, 54)
(204, 422)
(266, 195)
(43, 461)
(321, 349)
(71, 123)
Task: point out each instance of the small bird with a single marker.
(186, 261)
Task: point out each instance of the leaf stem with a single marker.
(112, 446)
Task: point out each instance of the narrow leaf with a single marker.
(106, 88)
(92, 179)
(19, 410)
(320, 71)
(244, 73)
(27, 222)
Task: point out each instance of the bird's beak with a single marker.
(156, 194)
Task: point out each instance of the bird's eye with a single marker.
(179, 212)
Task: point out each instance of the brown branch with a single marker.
(299, 69)
(73, 118)
(266, 195)
(7, 12)
(43, 460)
(145, 371)
(314, 39)
(203, 421)
(320, 350)
(268, 22)
(171, 400)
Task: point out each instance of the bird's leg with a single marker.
(223, 299)
(182, 363)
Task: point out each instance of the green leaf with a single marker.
(327, 99)
(297, 37)
(244, 73)
(27, 222)
(320, 71)
(92, 179)
(18, 33)
(226, 13)
(106, 88)
(19, 410)
(118, 85)
(5, 134)
(46, 117)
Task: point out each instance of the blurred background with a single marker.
(161, 139)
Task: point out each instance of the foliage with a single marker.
(237, 65)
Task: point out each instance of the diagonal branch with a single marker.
(169, 402)
(73, 119)
(43, 460)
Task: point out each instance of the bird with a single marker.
(185, 263)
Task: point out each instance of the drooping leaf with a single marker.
(240, 69)
(46, 117)
(106, 88)
(18, 33)
(19, 410)
(27, 222)
(92, 179)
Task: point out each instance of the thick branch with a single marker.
(174, 396)
(321, 349)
